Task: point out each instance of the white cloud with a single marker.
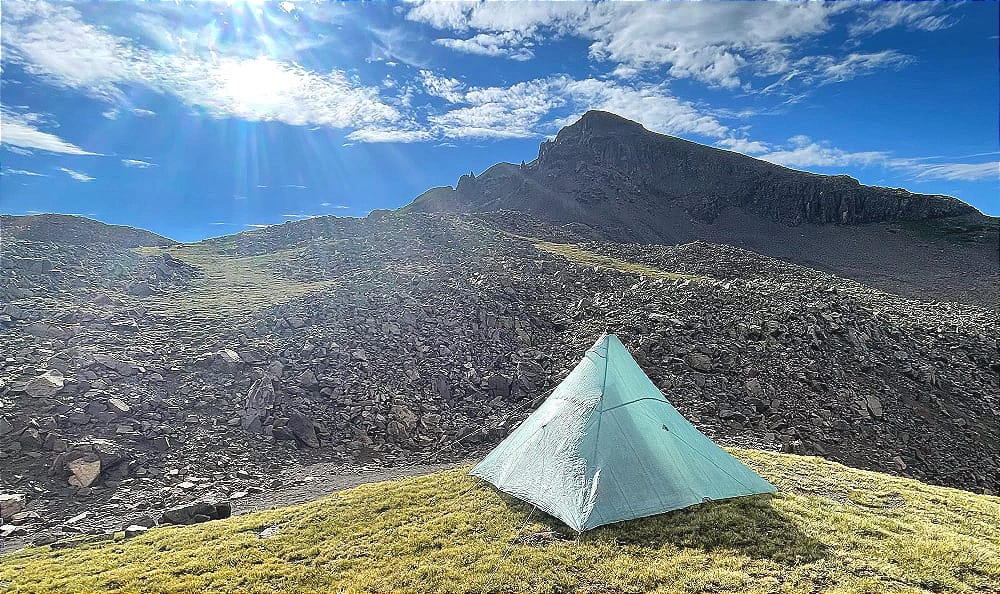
(256, 225)
(956, 171)
(16, 149)
(263, 89)
(507, 44)
(114, 112)
(711, 42)
(744, 145)
(626, 72)
(803, 152)
(17, 130)
(502, 112)
(527, 109)
(52, 42)
(723, 44)
(376, 134)
(23, 172)
(500, 16)
(651, 105)
(449, 89)
(398, 44)
(920, 16)
(332, 205)
(77, 175)
(821, 70)
(137, 163)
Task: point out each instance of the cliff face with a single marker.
(607, 170)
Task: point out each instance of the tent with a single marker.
(607, 446)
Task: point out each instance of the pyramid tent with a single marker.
(607, 446)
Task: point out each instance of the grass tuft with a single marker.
(829, 528)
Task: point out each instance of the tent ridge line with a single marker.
(597, 435)
(604, 410)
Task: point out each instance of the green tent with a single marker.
(606, 446)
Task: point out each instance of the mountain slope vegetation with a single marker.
(829, 528)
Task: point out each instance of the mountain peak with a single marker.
(602, 123)
(610, 172)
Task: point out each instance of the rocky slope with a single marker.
(49, 255)
(74, 230)
(628, 184)
(405, 338)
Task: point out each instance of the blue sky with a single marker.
(203, 119)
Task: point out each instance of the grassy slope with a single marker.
(577, 254)
(229, 285)
(831, 528)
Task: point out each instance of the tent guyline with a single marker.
(607, 446)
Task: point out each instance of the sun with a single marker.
(255, 85)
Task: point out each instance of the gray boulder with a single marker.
(45, 385)
(303, 429)
(197, 512)
(11, 504)
(698, 361)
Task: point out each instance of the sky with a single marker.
(202, 119)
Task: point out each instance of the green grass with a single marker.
(577, 254)
(831, 528)
(229, 286)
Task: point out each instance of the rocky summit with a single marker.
(147, 382)
(614, 180)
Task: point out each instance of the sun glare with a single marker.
(256, 84)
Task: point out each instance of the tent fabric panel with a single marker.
(683, 472)
(539, 461)
(607, 446)
(659, 460)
